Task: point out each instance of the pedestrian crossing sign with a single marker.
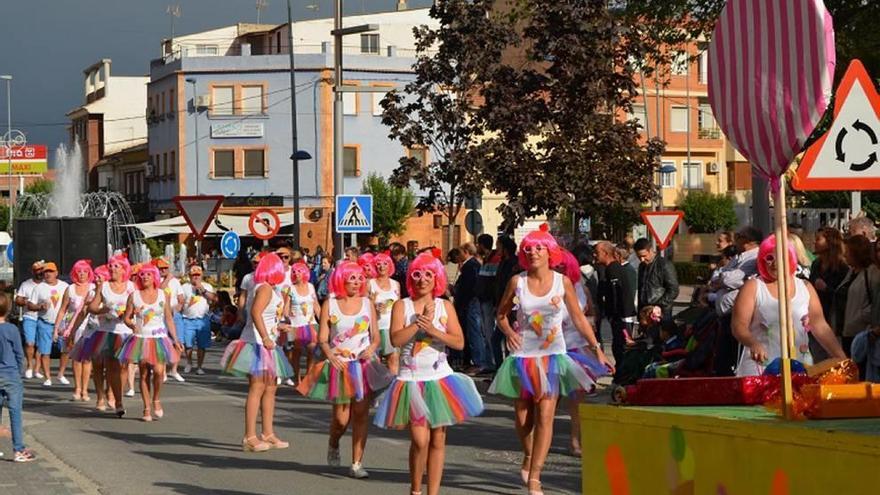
(354, 214)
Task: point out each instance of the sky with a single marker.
(48, 43)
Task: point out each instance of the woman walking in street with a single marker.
(303, 313)
(73, 323)
(384, 292)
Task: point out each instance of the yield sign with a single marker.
(847, 157)
(198, 211)
(662, 225)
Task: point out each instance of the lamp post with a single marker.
(296, 157)
(8, 79)
(196, 141)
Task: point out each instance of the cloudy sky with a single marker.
(47, 44)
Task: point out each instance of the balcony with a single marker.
(709, 133)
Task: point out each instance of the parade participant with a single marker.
(45, 299)
(72, 322)
(538, 369)
(578, 345)
(366, 261)
(111, 298)
(256, 355)
(304, 310)
(384, 292)
(348, 337)
(148, 315)
(196, 330)
(29, 319)
(132, 367)
(174, 295)
(287, 256)
(427, 396)
(755, 320)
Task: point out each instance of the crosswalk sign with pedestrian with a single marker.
(354, 213)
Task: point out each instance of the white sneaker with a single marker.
(278, 380)
(165, 378)
(39, 375)
(29, 374)
(63, 379)
(47, 383)
(332, 457)
(200, 371)
(130, 393)
(177, 377)
(357, 471)
(188, 368)
(289, 382)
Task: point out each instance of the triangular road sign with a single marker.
(198, 211)
(847, 157)
(662, 225)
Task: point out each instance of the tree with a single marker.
(554, 115)
(706, 213)
(434, 111)
(392, 205)
(39, 186)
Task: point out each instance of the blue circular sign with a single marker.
(9, 252)
(230, 244)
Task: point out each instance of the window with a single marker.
(222, 100)
(706, 123)
(254, 163)
(693, 175)
(164, 164)
(162, 97)
(349, 104)
(278, 42)
(420, 153)
(224, 164)
(172, 164)
(667, 179)
(370, 43)
(252, 100)
(640, 115)
(703, 66)
(679, 119)
(679, 63)
(172, 105)
(4, 193)
(377, 99)
(350, 162)
(207, 50)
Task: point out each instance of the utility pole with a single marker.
(8, 79)
(337, 122)
(196, 141)
(295, 145)
(173, 11)
(261, 6)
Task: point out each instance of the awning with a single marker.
(236, 223)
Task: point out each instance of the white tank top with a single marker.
(271, 314)
(765, 328)
(384, 300)
(573, 338)
(150, 318)
(75, 304)
(539, 319)
(349, 334)
(422, 358)
(302, 308)
(112, 321)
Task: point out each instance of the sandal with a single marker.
(524, 472)
(147, 418)
(120, 412)
(260, 446)
(274, 442)
(539, 491)
(101, 406)
(157, 410)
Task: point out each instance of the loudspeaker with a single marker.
(84, 238)
(60, 240)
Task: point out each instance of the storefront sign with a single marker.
(27, 160)
(255, 201)
(237, 130)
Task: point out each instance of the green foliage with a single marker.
(392, 205)
(156, 248)
(4, 218)
(706, 213)
(39, 186)
(689, 272)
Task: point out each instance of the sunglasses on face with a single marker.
(356, 278)
(284, 257)
(770, 258)
(422, 274)
(116, 266)
(537, 248)
(382, 263)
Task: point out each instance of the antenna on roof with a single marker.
(313, 7)
(261, 6)
(173, 12)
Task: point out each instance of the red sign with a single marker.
(29, 152)
(198, 211)
(662, 225)
(264, 223)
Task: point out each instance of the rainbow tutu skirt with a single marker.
(302, 336)
(585, 358)
(353, 383)
(450, 400)
(521, 377)
(97, 346)
(152, 351)
(251, 359)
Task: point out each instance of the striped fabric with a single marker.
(771, 71)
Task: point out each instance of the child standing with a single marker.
(11, 388)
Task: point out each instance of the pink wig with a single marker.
(540, 237)
(340, 276)
(270, 270)
(153, 271)
(103, 271)
(569, 267)
(79, 266)
(366, 261)
(768, 247)
(384, 258)
(121, 259)
(427, 262)
(299, 271)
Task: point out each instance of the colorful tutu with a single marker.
(251, 359)
(355, 382)
(97, 346)
(589, 362)
(450, 400)
(152, 351)
(385, 347)
(536, 377)
(304, 335)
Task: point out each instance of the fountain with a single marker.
(68, 200)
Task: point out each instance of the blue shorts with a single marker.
(30, 330)
(196, 333)
(44, 337)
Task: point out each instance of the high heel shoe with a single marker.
(157, 410)
(260, 446)
(147, 418)
(101, 406)
(539, 490)
(274, 442)
(524, 473)
(120, 412)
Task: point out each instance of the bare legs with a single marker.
(534, 426)
(151, 377)
(573, 403)
(428, 448)
(81, 372)
(62, 362)
(131, 368)
(200, 356)
(98, 371)
(116, 375)
(144, 382)
(261, 398)
(44, 361)
(295, 356)
(30, 355)
(356, 413)
(267, 404)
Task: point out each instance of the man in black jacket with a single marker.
(618, 297)
(658, 283)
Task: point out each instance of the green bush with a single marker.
(706, 213)
(688, 272)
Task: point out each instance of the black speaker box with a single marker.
(60, 240)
